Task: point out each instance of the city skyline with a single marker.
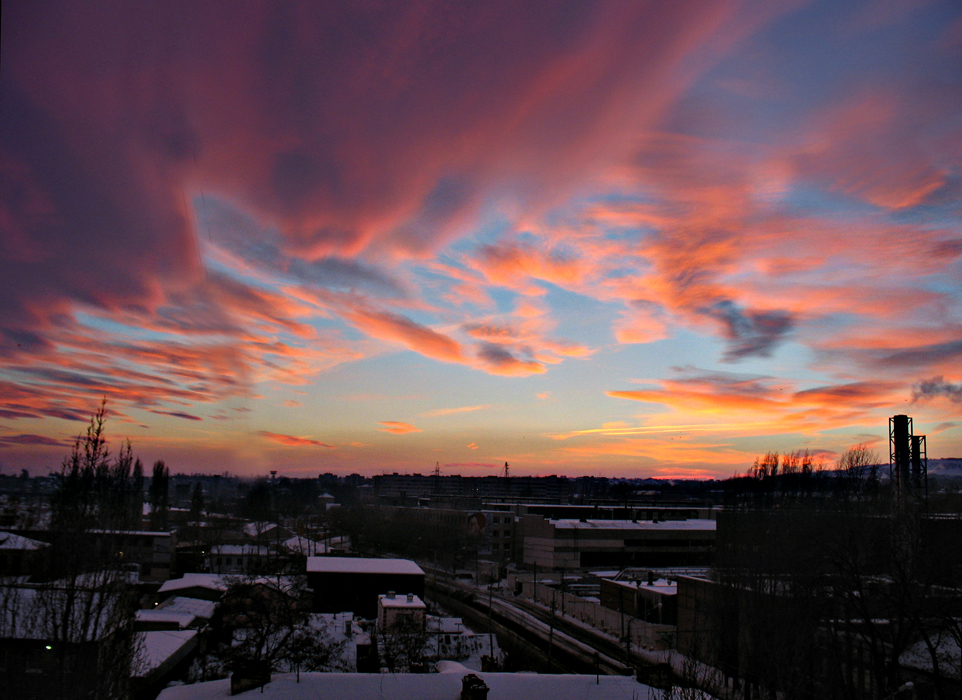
(636, 240)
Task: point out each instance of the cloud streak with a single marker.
(398, 427)
(292, 440)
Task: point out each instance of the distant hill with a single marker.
(950, 466)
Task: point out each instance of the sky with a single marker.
(624, 239)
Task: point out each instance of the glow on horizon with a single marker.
(642, 240)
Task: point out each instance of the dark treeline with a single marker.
(825, 579)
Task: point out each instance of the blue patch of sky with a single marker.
(492, 227)
(504, 299)
(114, 329)
(808, 199)
(580, 318)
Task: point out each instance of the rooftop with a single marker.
(8, 540)
(212, 581)
(352, 565)
(401, 600)
(181, 618)
(427, 686)
(697, 524)
(199, 608)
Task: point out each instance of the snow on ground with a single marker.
(445, 685)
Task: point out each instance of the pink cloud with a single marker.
(403, 330)
(398, 428)
(292, 440)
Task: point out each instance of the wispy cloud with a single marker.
(450, 411)
(293, 440)
(398, 428)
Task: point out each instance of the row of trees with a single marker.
(827, 595)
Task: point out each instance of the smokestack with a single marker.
(917, 459)
(901, 430)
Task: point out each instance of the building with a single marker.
(400, 612)
(576, 544)
(452, 681)
(342, 584)
(653, 600)
(20, 556)
(48, 650)
(200, 586)
(547, 489)
(152, 552)
(237, 558)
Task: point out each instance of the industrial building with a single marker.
(342, 584)
(575, 544)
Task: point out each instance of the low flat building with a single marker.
(577, 544)
(342, 584)
(653, 600)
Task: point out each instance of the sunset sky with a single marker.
(619, 239)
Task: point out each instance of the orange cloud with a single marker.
(402, 330)
(450, 411)
(293, 441)
(398, 428)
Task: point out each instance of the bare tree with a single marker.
(402, 645)
(83, 608)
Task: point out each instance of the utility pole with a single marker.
(562, 590)
(490, 626)
(554, 607)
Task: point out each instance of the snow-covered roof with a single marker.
(159, 648)
(947, 651)
(178, 617)
(214, 582)
(302, 545)
(660, 585)
(199, 608)
(444, 685)
(445, 625)
(10, 541)
(134, 533)
(257, 529)
(669, 525)
(352, 565)
(401, 600)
